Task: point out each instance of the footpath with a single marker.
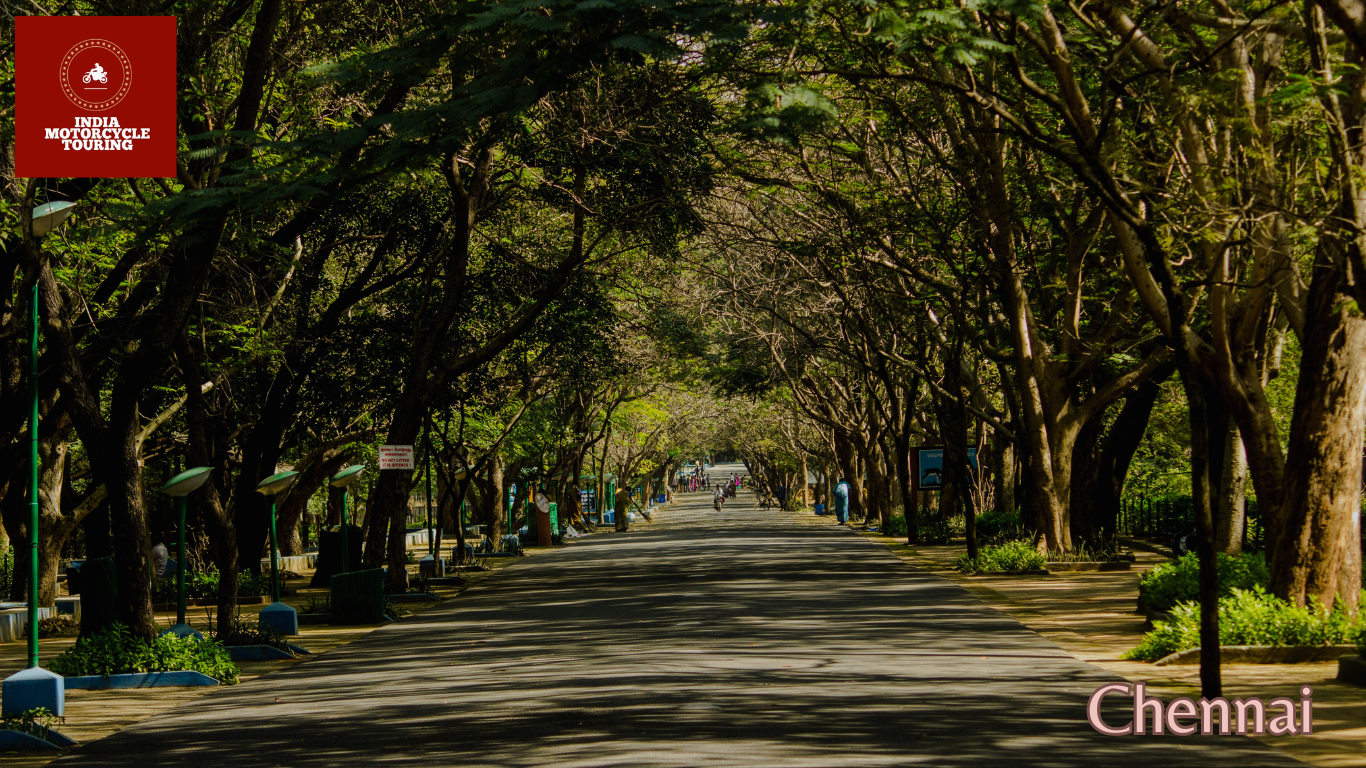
(1092, 616)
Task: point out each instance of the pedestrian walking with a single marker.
(841, 501)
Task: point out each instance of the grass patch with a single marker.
(1107, 552)
(1019, 555)
(115, 651)
(1178, 581)
(1248, 617)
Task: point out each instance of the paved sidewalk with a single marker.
(740, 638)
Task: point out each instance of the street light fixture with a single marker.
(179, 487)
(343, 480)
(49, 216)
(278, 616)
(35, 687)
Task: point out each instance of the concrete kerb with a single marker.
(1261, 654)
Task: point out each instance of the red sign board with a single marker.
(95, 96)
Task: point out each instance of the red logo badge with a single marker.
(95, 96)
(91, 85)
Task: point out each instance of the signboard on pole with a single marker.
(928, 468)
(396, 457)
(95, 96)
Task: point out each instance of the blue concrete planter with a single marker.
(178, 679)
(18, 741)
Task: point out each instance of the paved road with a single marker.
(744, 638)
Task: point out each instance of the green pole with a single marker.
(346, 549)
(274, 563)
(33, 488)
(180, 563)
(431, 538)
(507, 491)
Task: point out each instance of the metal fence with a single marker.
(1169, 519)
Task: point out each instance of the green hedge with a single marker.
(115, 651)
(1248, 617)
(1019, 555)
(1178, 581)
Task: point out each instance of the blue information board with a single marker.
(929, 467)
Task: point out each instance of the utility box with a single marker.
(358, 597)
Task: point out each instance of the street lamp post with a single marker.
(278, 616)
(343, 480)
(179, 487)
(35, 687)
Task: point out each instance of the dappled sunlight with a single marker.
(695, 641)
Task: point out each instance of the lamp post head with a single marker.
(49, 216)
(186, 482)
(346, 477)
(277, 483)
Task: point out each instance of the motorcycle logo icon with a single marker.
(96, 74)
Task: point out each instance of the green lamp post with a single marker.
(46, 218)
(343, 480)
(278, 616)
(35, 687)
(179, 487)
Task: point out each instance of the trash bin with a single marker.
(358, 597)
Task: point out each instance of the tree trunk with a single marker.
(1228, 524)
(1003, 472)
(1316, 553)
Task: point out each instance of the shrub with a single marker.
(896, 526)
(933, 531)
(1104, 552)
(1018, 555)
(244, 632)
(999, 526)
(58, 626)
(6, 569)
(35, 722)
(115, 651)
(1247, 617)
(203, 585)
(1179, 581)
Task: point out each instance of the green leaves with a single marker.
(1248, 617)
(115, 651)
(783, 115)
